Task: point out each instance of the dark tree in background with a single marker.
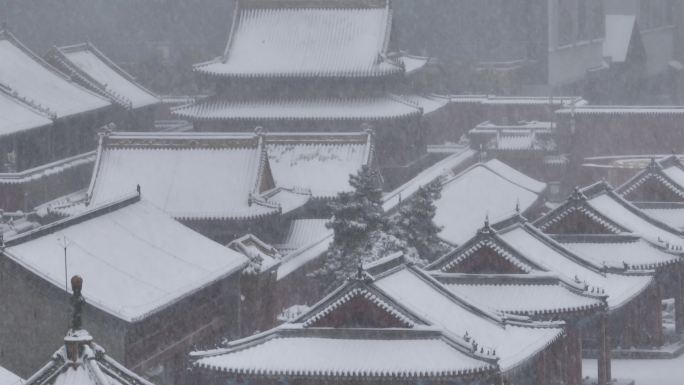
(364, 233)
(415, 222)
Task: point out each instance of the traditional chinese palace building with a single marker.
(658, 190)
(503, 261)
(375, 328)
(229, 184)
(50, 111)
(317, 65)
(156, 288)
(600, 226)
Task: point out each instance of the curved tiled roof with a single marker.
(315, 40)
(95, 71)
(364, 108)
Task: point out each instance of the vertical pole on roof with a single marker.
(604, 372)
(64, 242)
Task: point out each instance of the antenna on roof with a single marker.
(64, 242)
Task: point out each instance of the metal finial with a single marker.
(77, 302)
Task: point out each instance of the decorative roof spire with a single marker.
(486, 228)
(77, 302)
(577, 195)
(359, 269)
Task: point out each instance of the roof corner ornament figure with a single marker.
(77, 302)
(577, 194)
(653, 165)
(137, 189)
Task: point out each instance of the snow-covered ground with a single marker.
(643, 372)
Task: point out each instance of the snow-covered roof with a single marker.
(319, 244)
(95, 71)
(553, 257)
(191, 175)
(616, 214)
(631, 218)
(36, 82)
(671, 216)
(427, 103)
(618, 251)
(319, 163)
(320, 38)
(534, 100)
(45, 170)
(460, 158)
(622, 110)
(303, 232)
(667, 172)
(514, 344)
(348, 353)
(17, 115)
(92, 366)
(324, 108)
(532, 252)
(486, 189)
(9, 378)
(137, 259)
(530, 294)
(413, 63)
(619, 30)
(262, 256)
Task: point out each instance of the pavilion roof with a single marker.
(93, 366)
(316, 38)
(92, 69)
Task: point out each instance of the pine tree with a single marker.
(358, 213)
(414, 223)
(361, 231)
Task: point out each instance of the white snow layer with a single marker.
(89, 63)
(16, 116)
(134, 260)
(617, 212)
(185, 183)
(368, 357)
(9, 378)
(306, 41)
(513, 344)
(323, 168)
(490, 188)
(619, 288)
(38, 82)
